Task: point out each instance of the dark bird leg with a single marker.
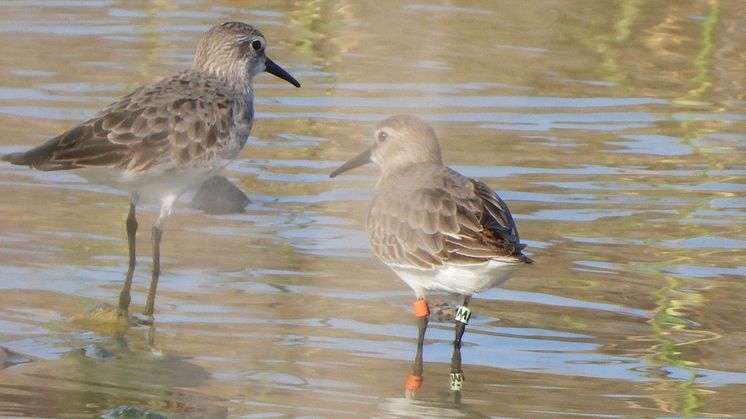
(414, 378)
(422, 320)
(463, 313)
(166, 206)
(124, 296)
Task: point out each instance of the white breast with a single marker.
(459, 279)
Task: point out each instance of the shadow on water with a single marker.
(112, 372)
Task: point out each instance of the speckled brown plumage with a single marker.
(182, 122)
(167, 137)
(197, 119)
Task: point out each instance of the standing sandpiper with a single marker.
(438, 230)
(165, 138)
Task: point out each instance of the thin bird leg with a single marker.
(422, 311)
(463, 313)
(166, 206)
(124, 296)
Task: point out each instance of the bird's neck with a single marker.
(394, 174)
(236, 78)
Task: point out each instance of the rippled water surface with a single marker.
(614, 130)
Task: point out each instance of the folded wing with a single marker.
(161, 125)
(459, 221)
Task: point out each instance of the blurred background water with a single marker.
(614, 130)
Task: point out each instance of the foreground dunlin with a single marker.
(165, 138)
(438, 230)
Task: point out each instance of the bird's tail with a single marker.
(20, 159)
(40, 158)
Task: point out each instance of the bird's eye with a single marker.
(382, 136)
(256, 44)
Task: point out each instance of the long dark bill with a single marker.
(357, 161)
(274, 69)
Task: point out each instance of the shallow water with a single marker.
(614, 130)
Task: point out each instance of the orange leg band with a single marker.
(414, 381)
(420, 308)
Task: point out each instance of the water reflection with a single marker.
(9, 358)
(615, 132)
(113, 370)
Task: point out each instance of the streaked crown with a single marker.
(232, 51)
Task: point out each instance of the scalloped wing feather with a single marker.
(184, 120)
(447, 219)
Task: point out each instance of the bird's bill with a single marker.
(357, 161)
(272, 68)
